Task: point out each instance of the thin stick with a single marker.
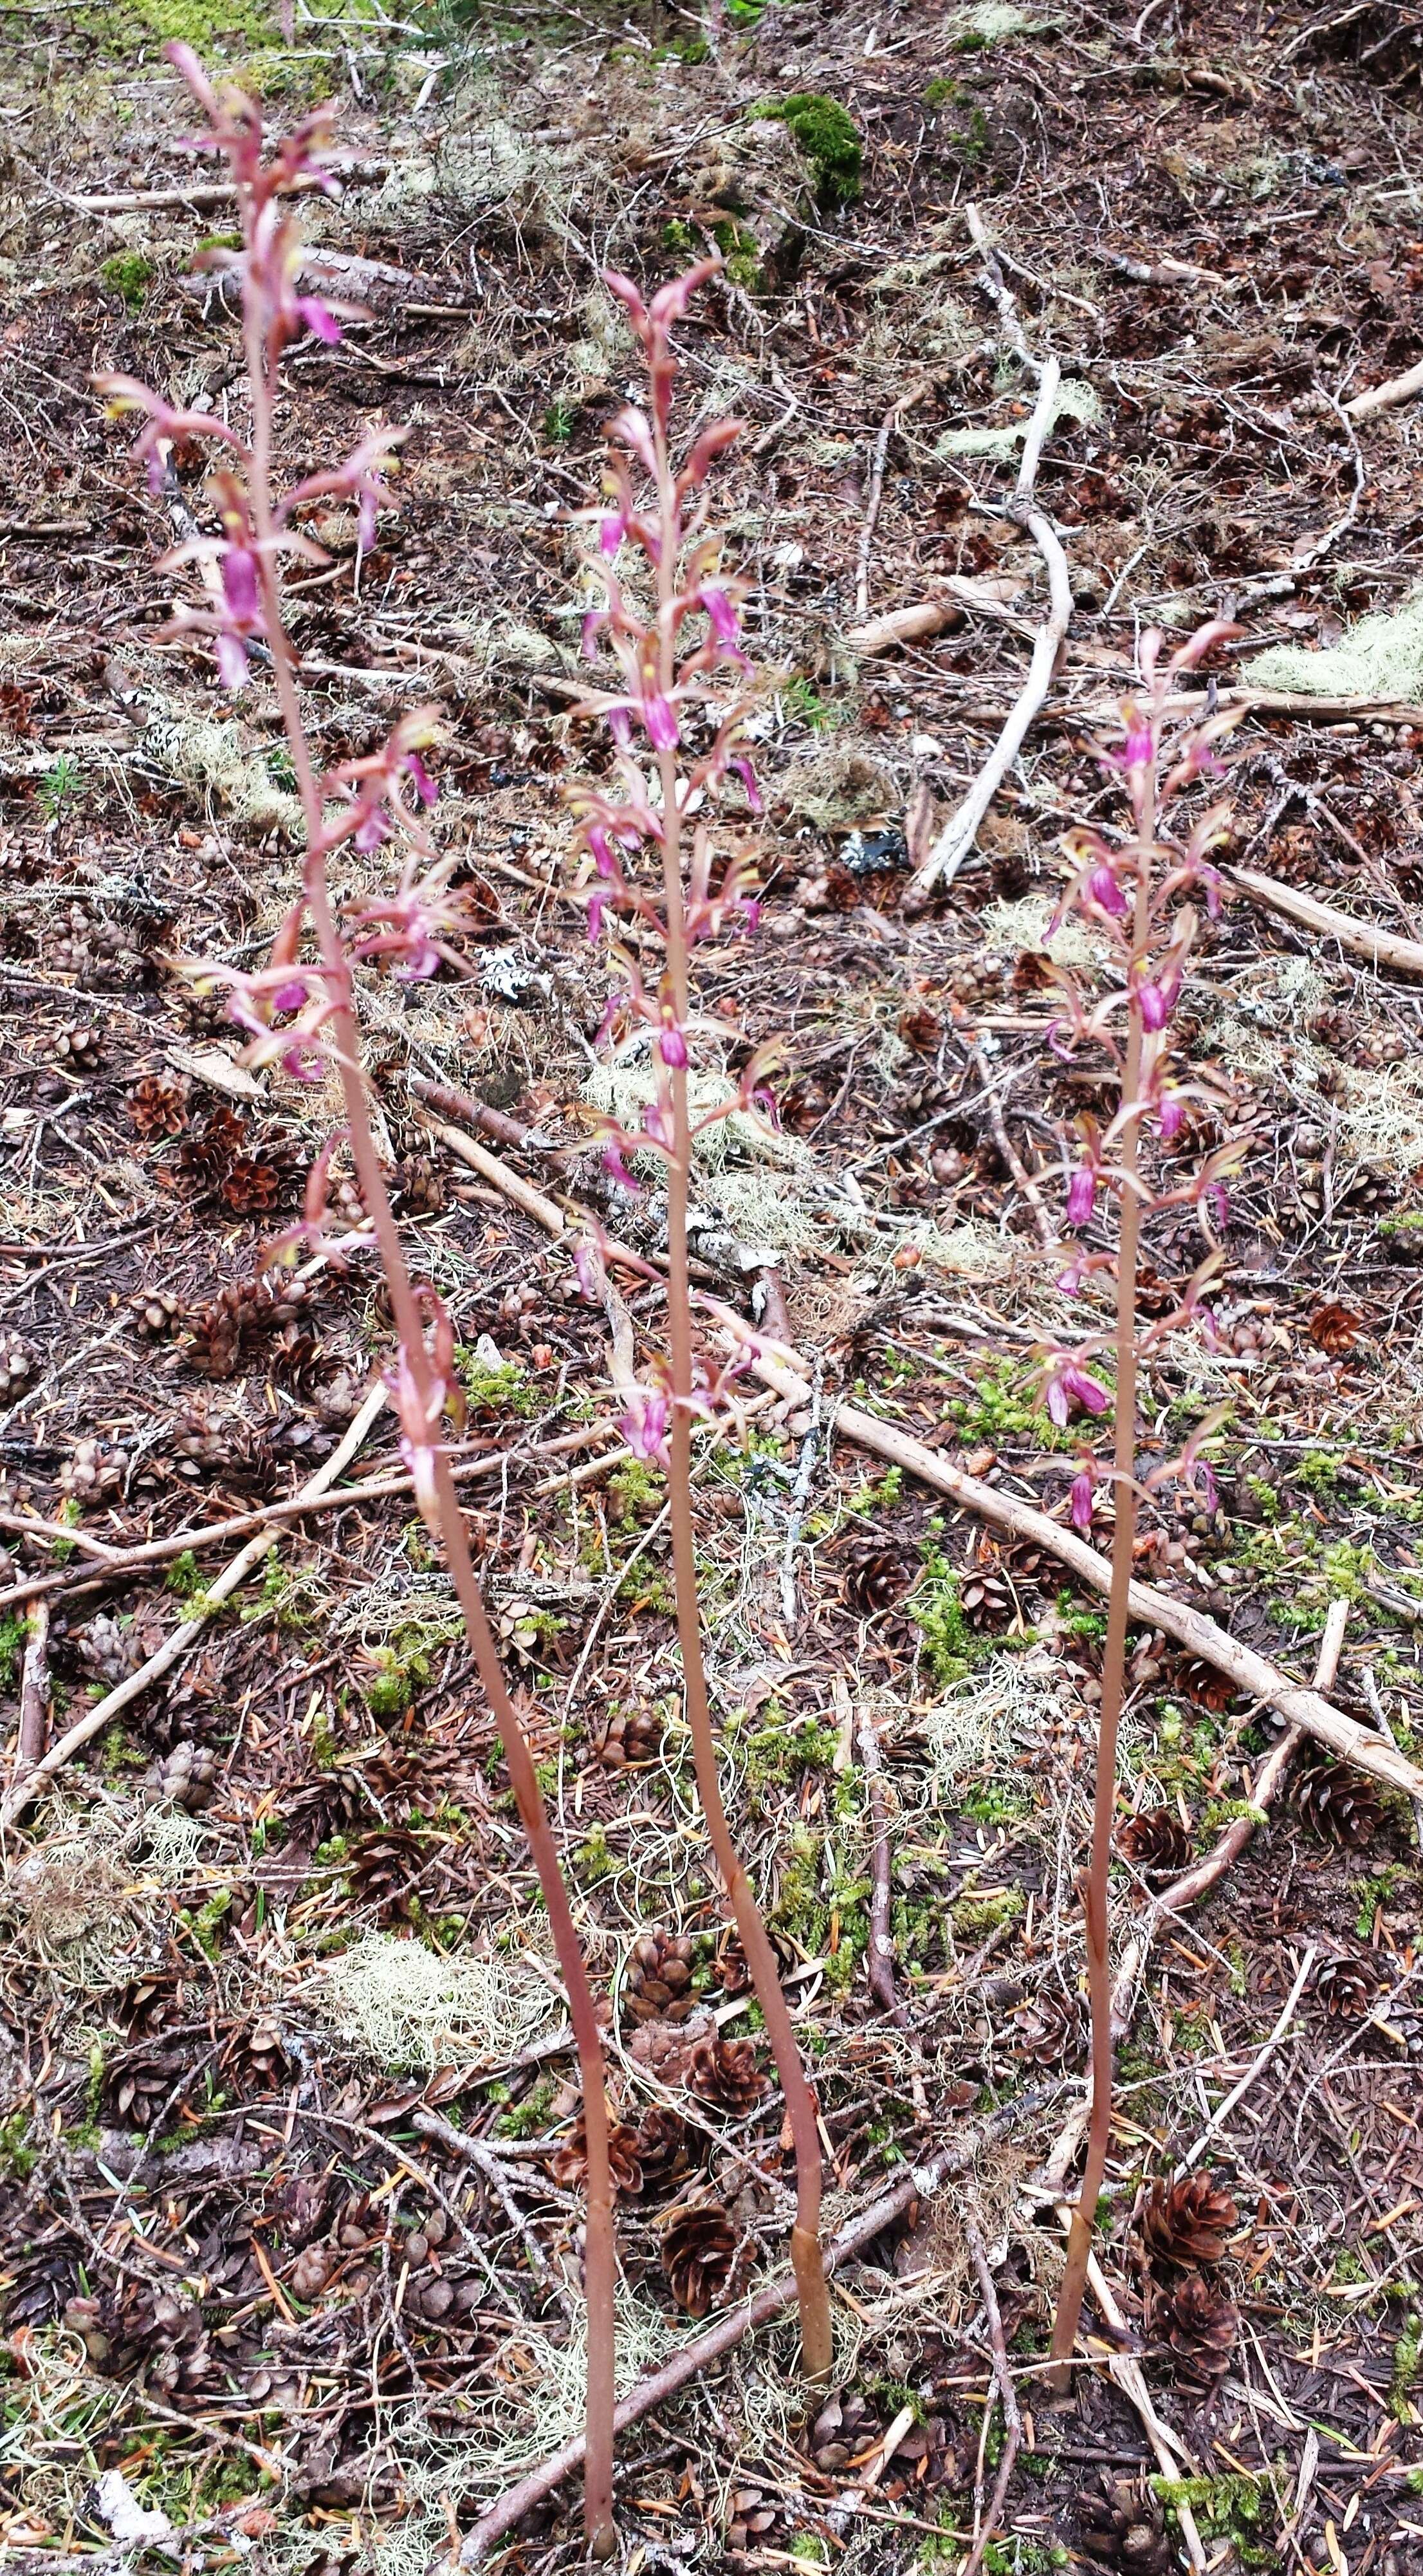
(1126, 2372)
(33, 1730)
(1397, 389)
(1361, 938)
(1256, 2067)
(961, 831)
(1251, 1673)
(1008, 2395)
(175, 1645)
(704, 2349)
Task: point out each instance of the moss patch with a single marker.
(825, 132)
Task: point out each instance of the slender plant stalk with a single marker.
(600, 2259)
(817, 2347)
(1095, 1892)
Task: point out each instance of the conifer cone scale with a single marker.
(1188, 2221)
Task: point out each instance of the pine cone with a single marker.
(80, 1049)
(148, 2005)
(1123, 2528)
(877, 1578)
(569, 2163)
(198, 1445)
(842, 2429)
(255, 2058)
(1048, 2028)
(303, 2203)
(1205, 1686)
(213, 1148)
(113, 1648)
(1346, 1987)
(216, 1336)
(628, 1735)
(421, 1185)
(17, 1366)
(1156, 1842)
(93, 1473)
(731, 1968)
(725, 2073)
(384, 1870)
(156, 1313)
(1335, 1801)
(157, 1108)
(920, 1028)
(698, 2255)
(658, 1983)
(1188, 2221)
(666, 2048)
(251, 1186)
(1201, 2327)
(986, 1600)
(1335, 1329)
(662, 2148)
(186, 1778)
(40, 2279)
(136, 2085)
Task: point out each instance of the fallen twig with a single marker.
(1008, 2395)
(771, 2301)
(188, 1631)
(1257, 2066)
(958, 592)
(1396, 389)
(1251, 1673)
(33, 1731)
(879, 1961)
(1363, 938)
(961, 831)
(1022, 1178)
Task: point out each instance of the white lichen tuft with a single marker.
(406, 2007)
(992, 1718)
(1006, 929)
(1380, 657)
(210, 757)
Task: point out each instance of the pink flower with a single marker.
(420, 779)
(1082, 1499)
(660, 717)
(1171, 1116)
(1137, 745)
(617, 1169)
(239, 582)
(646, 1423)
(1069, 1281)
(588, 1271)
(1081, 1195)
(1070, 1384)
(747, 776)
(588, 646)
(231, 659)
(1105, 892)
(318, 319)
(725, 623)
(672, 1046)
(612, 528)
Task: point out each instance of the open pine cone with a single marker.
(569, 2163)
(627, 1735)
(1156, 1842)
(384, 1873)
(148, 2004)
(1346, 1987)
(156, 1313)
(877, 1578)
(158, 2332)
(137, 2084)
(1335, 1801)
(658, 1983)
(698, 2254)
(725, 2073)
(1048, 2029)
(1124, 2529)
(730, 1967)
(662, 2141)
(255, 2059)
(186, 1778)
(1201, 2327)
(1188, 2221)
(422, 1185)
(17, 1365)
(157, 1108)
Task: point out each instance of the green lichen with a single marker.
(825, 132)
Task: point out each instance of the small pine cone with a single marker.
(197, 1445)
(725, 2073)
(255, 2057)
(1047, 2028)
(17, 1365)
(93, 1473)
(148, 2005)
(698, 2255)
(186, 1778)
(569, 2163)
(1205, 1686)
(658, 1983)
(665, 2048)
(986, 1600)
(662, 2148)
(213, 1148)
(1336, 1802)
(921, 1029)
(157, 1108)
(384, 1871)
(156, 1313)
(251, 1187)
(303, 2205)
(422, 1186)
(80, 1049)
(731, 1967)
(1188, 2221)
(842, 2429)
(137, 2085)
(1346, 1987)
(1335, 1330)
(41, 2278)
(877, 1578)
(1156, 1842)
(113, 1648)
(1201, 2327)
(1123, 2528)
(626, 1736)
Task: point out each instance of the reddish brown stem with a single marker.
(817, 2342)
(1095, 1894)
(600, 2259)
